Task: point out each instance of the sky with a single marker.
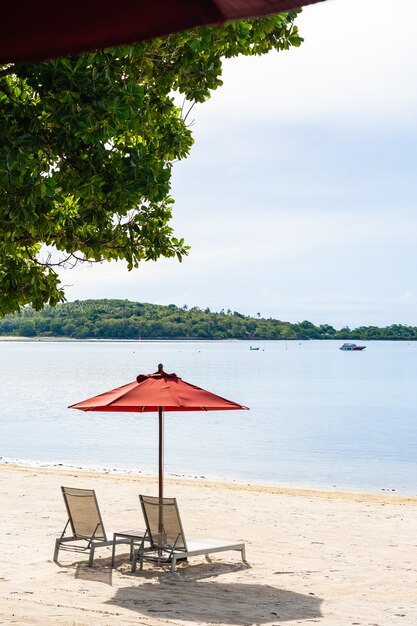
(299, 196)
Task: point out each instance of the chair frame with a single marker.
(93, 542)
(169, 554)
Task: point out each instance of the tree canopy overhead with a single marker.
(86, 149)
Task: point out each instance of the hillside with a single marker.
(122, 319)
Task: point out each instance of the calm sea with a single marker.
(319, 417)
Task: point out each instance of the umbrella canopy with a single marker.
(151, 391)
(157, 392)
(35, 31)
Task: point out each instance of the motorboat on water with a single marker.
(253, 348)
(352, 347)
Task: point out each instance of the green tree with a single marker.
(27, 328)
(87, 145)
(326, 330)
(288, 332)
(121, 319)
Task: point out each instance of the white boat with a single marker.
(352, 347)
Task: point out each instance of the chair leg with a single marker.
(57, 544)
(138, 554)
(113, 552)
(173, 564)
(91, 559)
(134, 560)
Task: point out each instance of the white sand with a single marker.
(316, 557)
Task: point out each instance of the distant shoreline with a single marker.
(156, 339)
(186, 339)
(126, 320)
(115, 340)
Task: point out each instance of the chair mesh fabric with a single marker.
(84, 513)
(164, 524)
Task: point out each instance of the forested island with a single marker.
(122, 319)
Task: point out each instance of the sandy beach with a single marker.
(315, 557)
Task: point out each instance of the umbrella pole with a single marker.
(161, 473)
(161, 451)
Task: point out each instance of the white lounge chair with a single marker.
(166, 538)
(86, 525)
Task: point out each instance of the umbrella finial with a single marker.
(160, 367)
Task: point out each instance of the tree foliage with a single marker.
(86, 149)
(122, 319)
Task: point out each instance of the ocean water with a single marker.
(319, 417)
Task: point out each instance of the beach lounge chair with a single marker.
(166, 538)
(86, 525)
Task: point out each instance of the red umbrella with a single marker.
(157, 392)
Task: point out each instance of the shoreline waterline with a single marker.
(133, 476)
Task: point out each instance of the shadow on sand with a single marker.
(97, 574)
(212, 602)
